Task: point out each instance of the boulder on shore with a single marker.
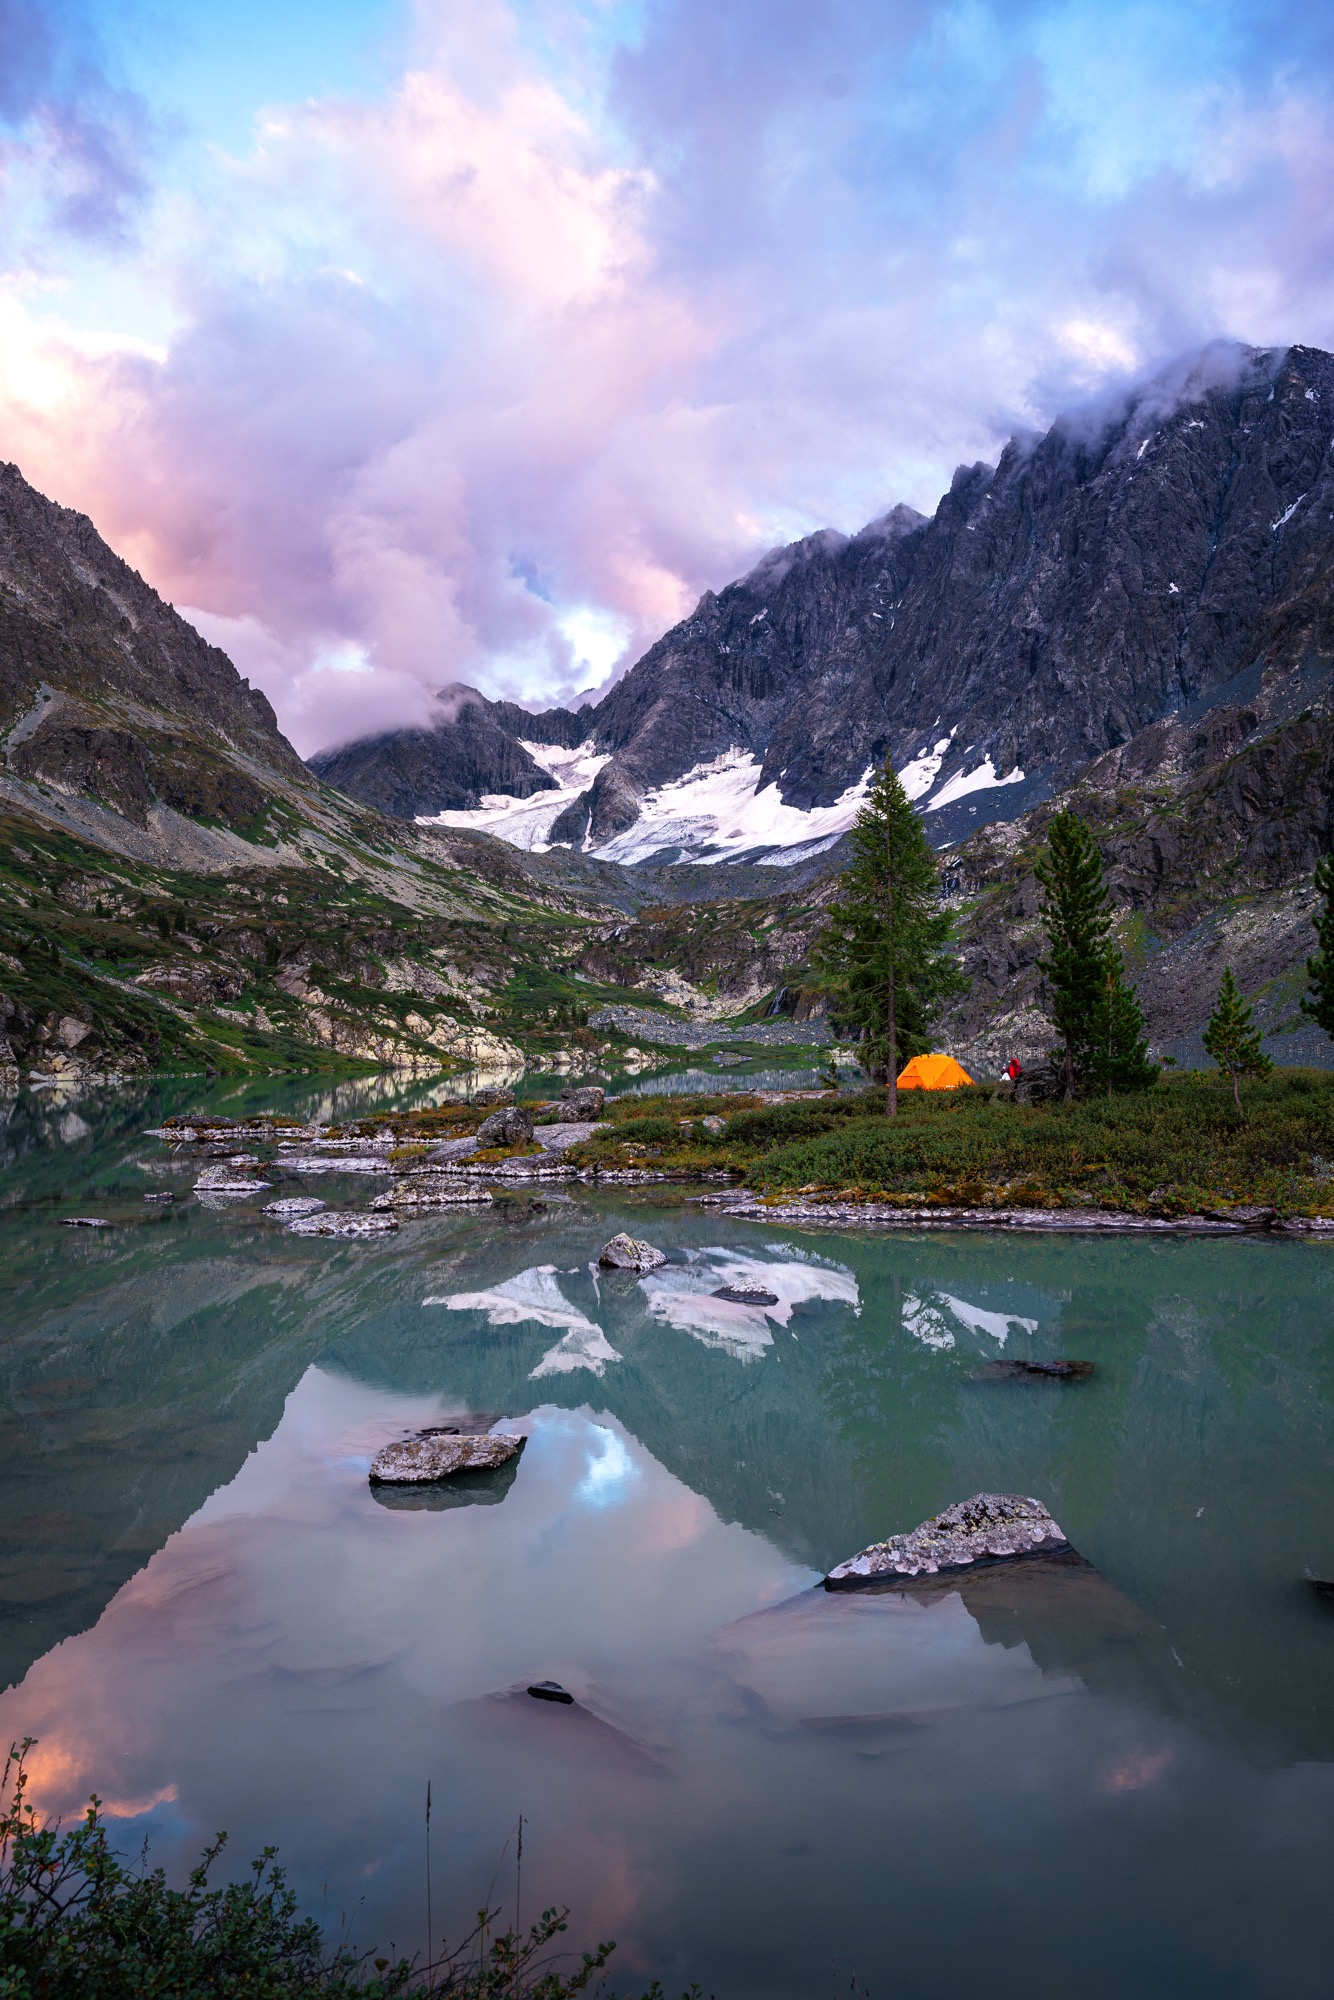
(989, 1528)
(510, 1126)
(626, 1253)
(580, 1102)
(491, 1096)
(439, 1454)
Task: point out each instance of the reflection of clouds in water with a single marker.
(681, 1296)
(534, 1295)
(611, 1471)
(925, 1320)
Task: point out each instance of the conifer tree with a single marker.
(1232, 1038)
(884, 950)
(1079, 929)
(1319, 1002)
(1118, 1056)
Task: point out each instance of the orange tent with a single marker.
(933, 1073)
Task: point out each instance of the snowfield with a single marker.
(716, 812)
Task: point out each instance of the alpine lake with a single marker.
(1101, 1779)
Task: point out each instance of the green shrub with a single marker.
(77, 1924)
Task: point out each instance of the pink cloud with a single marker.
(534, 336)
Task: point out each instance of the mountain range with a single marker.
(1133, 563)
(1133, 613)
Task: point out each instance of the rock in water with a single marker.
(991, 1527)
(296, 1204)
(439, 1454)
(551, 1691)
(625, 1253)
(342, 1222)
(491, 1096)
(741, 1295)
(510, 1126)
(1046, 1371)
(579, 1103)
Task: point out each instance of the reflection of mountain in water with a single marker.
(141, 1366)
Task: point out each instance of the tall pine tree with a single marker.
(1232, 1038)
(1097, 1015)
(1319, 1001)
(884, 950)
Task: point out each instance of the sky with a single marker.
(400, 345)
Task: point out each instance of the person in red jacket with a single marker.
(1016, 1069)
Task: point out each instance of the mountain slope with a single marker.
(1114, 571)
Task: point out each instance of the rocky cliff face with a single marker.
(1117, 570)
(107, 694)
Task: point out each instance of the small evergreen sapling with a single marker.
(1097, 1015)
(1232, 1038)
(1118, 1054)
(884, 950)
(1319, 1002)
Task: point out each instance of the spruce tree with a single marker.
(1079, 928)
(1232, 1038)
(1319, 1002)
(1118, 1057)
(884, 950)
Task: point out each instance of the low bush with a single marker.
(1179, 1145)
(76, 1923)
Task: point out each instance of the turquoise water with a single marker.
(1046, 1783)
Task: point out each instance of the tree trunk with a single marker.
(1069, 1071)
(1236, 1090)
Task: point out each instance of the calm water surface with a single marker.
(1111, 1784)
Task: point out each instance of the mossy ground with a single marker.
(1174, 1149)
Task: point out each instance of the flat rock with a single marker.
(433, 1194)
(551, 1691)
(439, 1453)
(626, 1253)
(343, 1222)
(991, 1527)
(229, 1180)
(85, 1222)
(295, 1204)
(742, 1295)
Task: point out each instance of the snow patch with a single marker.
(983, 779)
(527, 823)
(716, 811)
(918, 775)
(1287, 513)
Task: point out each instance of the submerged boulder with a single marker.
(745, 1295)
(1043, 1371)
(991, 1527)
(626, 1253)
(439, 1454)
(510, 1126)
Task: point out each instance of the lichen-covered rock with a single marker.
(511, 1125)
(626, 1253)
(290, 1205)
(490, 1096)
(343, 1222)
(430, 1194)
(991, 1527)
(230, 1180)
(579, 1103)
(439, 1454)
